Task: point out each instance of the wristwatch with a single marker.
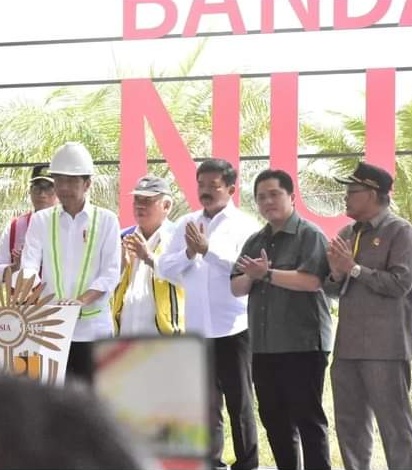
(267, 277)
(355, 271)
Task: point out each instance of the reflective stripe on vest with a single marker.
(86, 262)
(169, 300)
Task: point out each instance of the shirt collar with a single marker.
(87, 209)
(375, 221)
(372, 223)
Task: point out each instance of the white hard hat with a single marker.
(72, 159)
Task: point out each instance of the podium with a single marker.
(35, 336)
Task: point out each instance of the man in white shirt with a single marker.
(202, 252)
(77, 245)
(144, 303)
(42, 195)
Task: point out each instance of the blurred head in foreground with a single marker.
(58, 428)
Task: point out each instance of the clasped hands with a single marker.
(136, 247)
(196, 240)
(340, 257)
(254, 268)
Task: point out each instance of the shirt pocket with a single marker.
(285, 261)
(374, 253)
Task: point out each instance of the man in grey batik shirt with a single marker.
(371, 272)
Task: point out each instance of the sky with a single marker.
(22, 20)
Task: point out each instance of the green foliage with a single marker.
(30, 132)
(404, 137)
(348, 137)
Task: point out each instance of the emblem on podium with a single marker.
(34, 335)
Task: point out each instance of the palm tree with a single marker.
(349, 138)
(31, 131)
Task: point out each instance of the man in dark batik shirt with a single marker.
(282, 268)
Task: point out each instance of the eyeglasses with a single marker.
(146, 201)
(37, 189)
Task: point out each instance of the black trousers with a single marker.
(289, 389)
(80, 364)
(233, 379)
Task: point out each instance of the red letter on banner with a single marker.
(308, 16)
(381, 118)
(130, 31)
(133, 156)
(267, 15)
(140, 101)
(226, 121)
(284, 144)
(199, 8)
(406, 17)
(343, 21)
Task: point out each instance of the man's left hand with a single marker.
(136, 245)
(255, 268)
(340, 251)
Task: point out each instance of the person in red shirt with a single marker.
(42, 195)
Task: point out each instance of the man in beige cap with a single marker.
(144, 302)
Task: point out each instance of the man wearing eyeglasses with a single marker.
(42, 195)
(144, 302)
(371, 273)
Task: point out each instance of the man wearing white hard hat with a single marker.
(77, 245)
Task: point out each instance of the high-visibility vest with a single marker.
(83, 276)
(169, 301)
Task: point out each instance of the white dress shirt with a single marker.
(104, 273)
(210, 308)
(139, 307)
